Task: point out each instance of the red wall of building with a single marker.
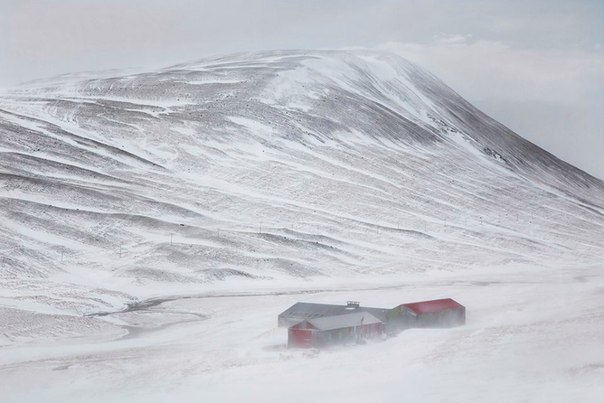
(299, 337)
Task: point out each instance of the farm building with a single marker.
(330, 330)
(319, 325)
(435, 314)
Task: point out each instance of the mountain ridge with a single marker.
(270, 165)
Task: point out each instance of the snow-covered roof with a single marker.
(343, 321)
(307, 311)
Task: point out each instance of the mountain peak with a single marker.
(273, 165)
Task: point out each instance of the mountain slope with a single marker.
(263, 166)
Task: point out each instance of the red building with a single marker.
(436, 313)
(320, 325)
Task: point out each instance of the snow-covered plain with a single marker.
(153, 225)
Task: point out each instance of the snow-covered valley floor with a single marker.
(532, 335)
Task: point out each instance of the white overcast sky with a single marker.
(535, 65)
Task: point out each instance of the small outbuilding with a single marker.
(437, 313)
(331, 330)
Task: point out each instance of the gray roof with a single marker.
(307, 311)
(343, 321)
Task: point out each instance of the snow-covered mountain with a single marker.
(268, 165)
(128, 200)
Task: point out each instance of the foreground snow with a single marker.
(530, 337)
